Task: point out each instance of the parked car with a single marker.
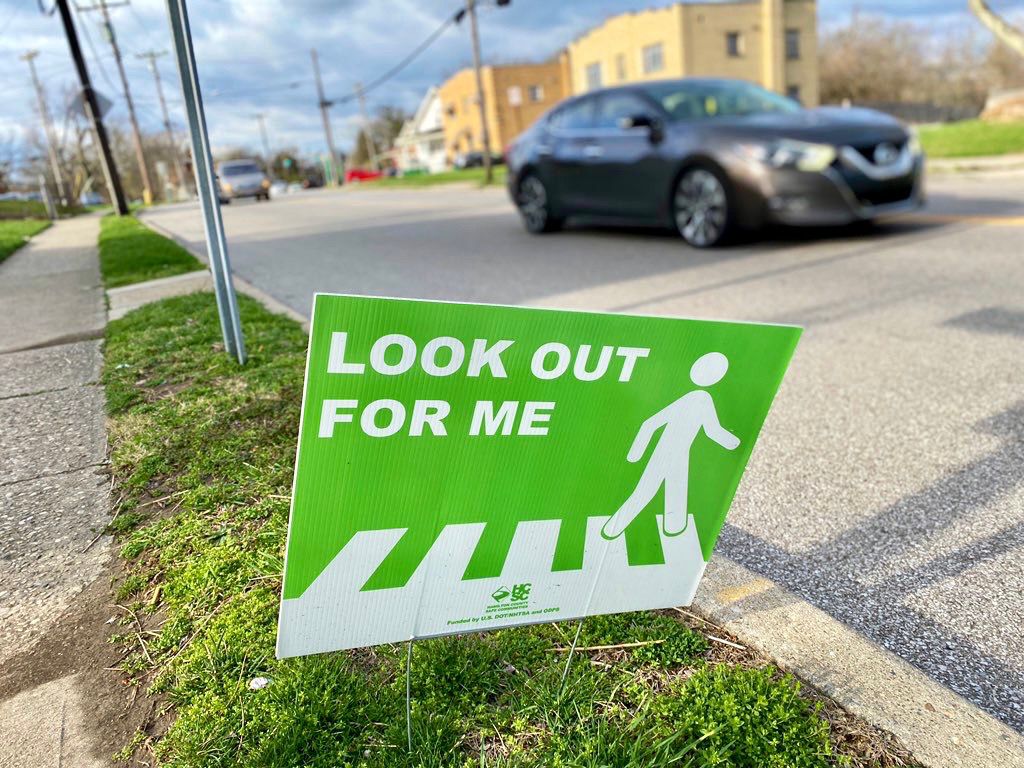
(475, 160)
(361, 174)
(242, 178)
(710, 156)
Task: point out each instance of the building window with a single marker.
(792, 44)
(653, 58)
(620, 67)
(593, 73)
(535, 92)
(793, 91)
(515, 95)
(734, 44)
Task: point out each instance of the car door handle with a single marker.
(593, 151)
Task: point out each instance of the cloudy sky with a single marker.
(254, 54)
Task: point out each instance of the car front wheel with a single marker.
(535, 206)
(701, 207)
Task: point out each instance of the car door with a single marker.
(569, 151)
(629, 173)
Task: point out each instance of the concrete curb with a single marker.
(986, 164)
(939, 727)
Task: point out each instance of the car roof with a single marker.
(240, 161)
(641, 86)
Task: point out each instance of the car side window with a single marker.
(616, 106)
(578, 116)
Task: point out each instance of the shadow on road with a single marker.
(856, 576)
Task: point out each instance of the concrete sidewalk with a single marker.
(54, 500)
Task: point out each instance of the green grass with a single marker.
(469, 175)
(14, 234)
(34, 209)
(202, 455)
(972, 138)
(130, 253)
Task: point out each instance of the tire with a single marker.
(535, 206)
(702, 206)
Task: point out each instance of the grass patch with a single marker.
(130, 253)
(202, 453)
(972, 138)
(14, 234)
(469, 175)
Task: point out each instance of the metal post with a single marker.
(92, 112)
(326, 117)
(179, 169)
(140, 155)
(486, 135)
(267, 159)
(51, 141)
(371, 145)
(206, 182)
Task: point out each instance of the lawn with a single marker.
(469, 176)
(130, 253)
(202, 456)
(972, 138)
(14, 234)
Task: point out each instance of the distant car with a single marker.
(710, 156)
(475, 160)
(361, 174)
(278, 188)
(90, 198)
(242, 178)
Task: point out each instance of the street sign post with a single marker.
(463, 467)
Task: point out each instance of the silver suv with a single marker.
(242, 178)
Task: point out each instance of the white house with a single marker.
(420, 143)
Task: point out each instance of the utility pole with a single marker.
(371, 145)
(326, 117)
(92, 111)
(151, 57)
(261, 119)
(103, 7)
(475, 36)
(51, 141)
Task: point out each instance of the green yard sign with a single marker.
(463, 466)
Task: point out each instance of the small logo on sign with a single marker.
(500, 594)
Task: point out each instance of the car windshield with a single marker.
(237, 169)
(703, 100)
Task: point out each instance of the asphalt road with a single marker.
(888, 483)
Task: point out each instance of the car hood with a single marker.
(828, 125)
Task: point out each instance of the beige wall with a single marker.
(693, 40)
(514, 95)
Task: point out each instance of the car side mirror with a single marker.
(654, 126)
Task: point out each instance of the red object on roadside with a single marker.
(361, 174)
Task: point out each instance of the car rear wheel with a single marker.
(701, 207)
(535, 206)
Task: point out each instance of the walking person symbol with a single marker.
(669, 465)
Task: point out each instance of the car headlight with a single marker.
(787, 153)
(265, 183)
(226, 186)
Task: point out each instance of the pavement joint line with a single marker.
(48, 391)
(58, 473)
(60, 341)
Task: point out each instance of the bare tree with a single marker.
(1000, 27)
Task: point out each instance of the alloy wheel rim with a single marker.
(701, 207)
(533, 202)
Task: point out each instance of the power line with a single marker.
(377, 82)
(92, 49)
